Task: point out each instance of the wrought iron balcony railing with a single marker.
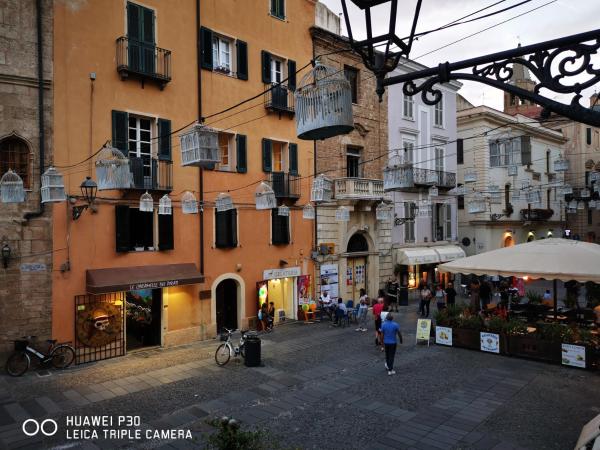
(429, 177)
(358, 189)
(279, 98)
(144, 61)
(151, 174)
(285, 185)
(536, 214)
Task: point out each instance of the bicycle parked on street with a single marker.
(226, 350)
(60, 356)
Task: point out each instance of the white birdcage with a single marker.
(53, 186)
(146, 202)
(572, 207)
(342, 214)
(585, 193)
(322, 189)
(284, 211)
(533, 196)
(495, 194)
(199, 146)
(308, 212)
(594, 176)
(477, 204)
(513, 170)
(433, 191)
(525, 184)
(165, 207)
(561, 164)
(580, 206)
(470, 176)
(592, 204)
(516, 195)
(11, 188)
(383, 212)
(323, 104)
(265, 197)
(189, 205)
(566, 189)
(224, 202)
(112, 169)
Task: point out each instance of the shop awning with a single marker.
(450, 252)
(101, 281)
(417, 255)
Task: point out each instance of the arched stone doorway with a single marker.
(227, 305)
(356, 278)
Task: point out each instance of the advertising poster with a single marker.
(573, 355)
(303, 288)
(423, 329)
(490, 342)
(329, 279)
(443, 336)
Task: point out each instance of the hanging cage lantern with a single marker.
(566, 189)
(533, 196)
(592, 204)
(383, 212)
(561, 164)
(308, 212)
(580, 206)
(477, 204)
(189, 205)
(284, 211)
(470, 176)
(323, 104)
(572, 207)
(322, 189)
(342, 214)
(585, 193)
(513, 170)
(11, 188)
(53, 186)
(594, 176)
(200, 146)
(433, 191)
(112, 169)
(495, 194)
(265, 197)
(146, 203)
(224, 202)
(165, 207)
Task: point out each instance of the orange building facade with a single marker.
(128, 72)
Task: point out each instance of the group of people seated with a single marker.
(337, 311)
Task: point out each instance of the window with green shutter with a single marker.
(141, 42)
(206, 48)
(291, 75)
(241, 153)
(120, 125)
(293, 148)
(267, 163)
(164, 139)
(525, 150)
(226, 229)
(265, 58)
(280, 228)
(242, 59)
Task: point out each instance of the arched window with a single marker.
(15, 155)
(357, 243)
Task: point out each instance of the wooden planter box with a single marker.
(465, 338)
(533, 348)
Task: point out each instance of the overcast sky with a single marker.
(558, 19)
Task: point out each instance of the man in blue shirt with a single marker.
(390, 330)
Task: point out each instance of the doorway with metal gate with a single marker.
(143, 313)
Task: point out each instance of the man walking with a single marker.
(389, 330)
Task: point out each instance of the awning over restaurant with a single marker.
(450, 252)
(417, 255)
(100, 281)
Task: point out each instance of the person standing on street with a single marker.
(440, 297)
(390, 331)
(362, 314)
(450, 295)
(377, 308)
(425, 299)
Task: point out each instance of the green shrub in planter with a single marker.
(496, 325)
(553, 332)
(470, 323)
(448, 317)
(534, 298)
(515, 327)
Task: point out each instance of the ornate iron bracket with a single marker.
(552, 63)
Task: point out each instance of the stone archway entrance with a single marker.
(356, 268)
(227, 305)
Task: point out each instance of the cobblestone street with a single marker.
(320, 387)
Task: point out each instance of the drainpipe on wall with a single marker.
(41, 132)
(200, 170)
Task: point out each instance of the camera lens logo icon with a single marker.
(32, 427)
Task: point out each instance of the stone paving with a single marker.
(441, 398)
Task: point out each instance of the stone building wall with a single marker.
(25, 286)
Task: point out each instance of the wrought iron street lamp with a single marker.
(88, 192)
(412, 214)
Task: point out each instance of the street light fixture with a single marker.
(88, 192)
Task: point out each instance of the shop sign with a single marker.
(153, 285)
(329, 279)
(573, 355)
(271, 274)
(423, 330)
(490, 342)
(443, 336)
(33, 267)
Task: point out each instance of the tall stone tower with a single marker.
(515, 105)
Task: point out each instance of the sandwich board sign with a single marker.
(423, 330)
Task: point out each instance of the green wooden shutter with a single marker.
(459, 151)
(266, 66)
(164, 139)
(588, 136)
(122, 238)
(525, 150)
(165, 232)
(206, 59)
(120, 121)
(242, 60)
(233, 227)
(293, 159)
(221, 240)
(266, 155)
(241, 156)
(291, 75)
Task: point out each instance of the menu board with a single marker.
(443, 336)
(573, 355)
(490, 342)
(423, 330)
(329, 279)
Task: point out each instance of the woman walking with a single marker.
(425, 299)
(362, 313)
(377, 308)
(390, 330)
(440, 297)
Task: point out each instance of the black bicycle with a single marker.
(60, 356)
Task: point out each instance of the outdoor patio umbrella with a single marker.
(551, 259)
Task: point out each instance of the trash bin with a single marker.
(252, 350)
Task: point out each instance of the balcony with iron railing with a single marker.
(429, 177)
(151, 174)
(144, 61)
(536, 214)
(285, 185)
(358, 189)
(279, 98)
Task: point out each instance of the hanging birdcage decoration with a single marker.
(433, 191)
(572, 207)
(594, 176)
(112, 169)
(495, 194)
(322, 189)
(592, 204)
(53, 186)
(11, 188)
(585, 193)
(200, 146)
(308, 212)
(224, 202)
(383, 212)
(513, 170)
(146, 202)
(165, 207)
(323, 104)
(189, 205)
(580, 205)
(342, 214)
(533, 196)
(566, 189)
(561, 164)
(265, 197)
(516, 195)
(283, 211)
(470, 176)
(477, 204)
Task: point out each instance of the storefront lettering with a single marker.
(281, 273)
(33, 267)
(153, 285)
